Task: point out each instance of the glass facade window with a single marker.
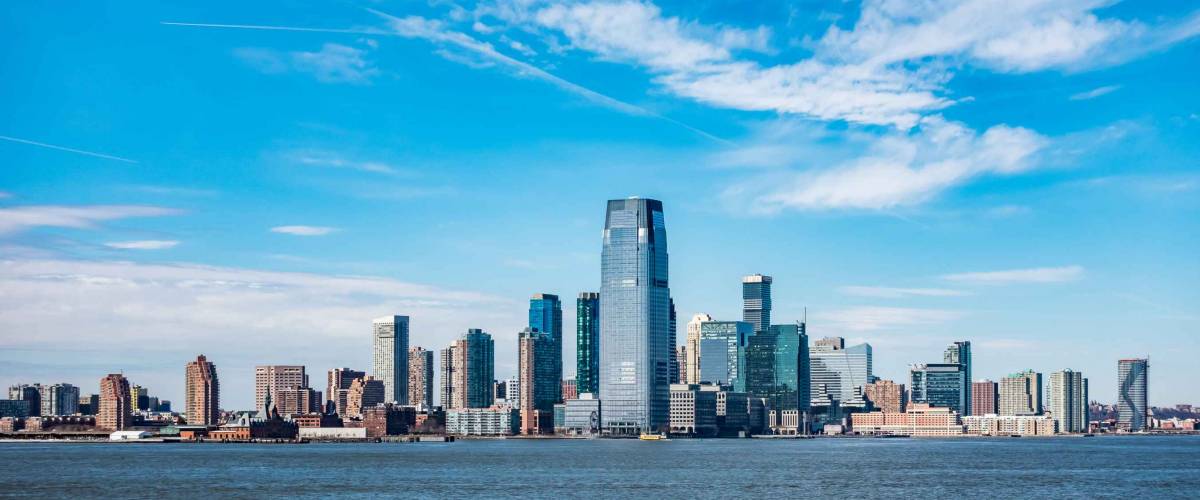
(939, 384)
(587, 342)
(545, 315)
(723, 353)
(756, 301)
(960, 353)
(777, 367)
(840, 370)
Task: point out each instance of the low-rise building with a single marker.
(693, 411)
(582, 415)
(333, 433)
(921, 420)
(787, 422)
(129, 435)
(304, 420)
(389, 420)
(11, 424)
(1009, 425)
(493, 421)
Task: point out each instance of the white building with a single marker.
(1009, 425)
(129, 435)
(839, 368)
(494, 421)
(333, 433)
(693, 410)
(693, 347)
(390, 351)
(1067, 400)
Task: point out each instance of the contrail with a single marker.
(61, 148)
(278, 28)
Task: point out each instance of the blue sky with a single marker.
(257, 182)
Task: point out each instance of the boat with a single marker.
(652, 437)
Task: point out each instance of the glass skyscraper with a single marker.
(671, 341)
(756, 301)
(587, 342)
(723, 353)
(634, 318)
(1131, 394)
(777, 367)
(960, 353)
(838, 368)
(939, 384)
(479, 370)
(545, 315)
(391, 357)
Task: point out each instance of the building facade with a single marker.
(29, 394)
(420, 377)
(692, 346)
(451, 377)
(681, 356)
(364, 392)
(1021, 394)
(545, 315)
(840, 369)
(723, 352)
(756, 301)
(338, 387)
(58, 399)
(298, 400)
(1067, 400)
(672, 352)
(539, 386)
(587, 342)
(115, 407)
(920, 420)
(939, 384)
(496, 421)
(202, 392)
(985, 398)
(582, 415)
(693, 412)
(570, 389)
(274, 378)
(478, 372)
(391, 356)
(777, 370)
(1132, 406)
(960, 353)
(1009, 425)
(886, 396)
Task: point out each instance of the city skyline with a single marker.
(1033, 203)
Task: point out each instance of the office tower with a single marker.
(681, 354)
(1067, 400)
(1021, 394)
(839, 368)
(58, 399)
(634, 318)
(693, 411)
(451, 377)
(420, 377)
(693, 347)
(570, 389)
(723, 353)
(886, 396)
(202, 392)
(115, 411)
(391, 357)
(1131, 394)
(29, 393)
(777, 368)
(985, 398)
(939, 385)
(539, 385)
(365, 392)
(960, 353)
(274, 378)
(338, 387)
(468, 370)
(673, 374)
(756, 301)
(545, 315)
(587, 342)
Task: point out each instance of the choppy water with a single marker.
(1101, 467)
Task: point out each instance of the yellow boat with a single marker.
(652, 437)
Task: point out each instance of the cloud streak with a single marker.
(303, 230)
(143, 244)
(334, 63)
(16, 219)
(1094, 93)
(873, 318)
(885, 292)
(64, 148)
(1011, 276)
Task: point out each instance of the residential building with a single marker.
(539, 387)
(570, 389)
(59, 399)
(587, 342)
(939, 384)
(1067, 400)
(723, 352)
(494, 421)
(693, 347)
(364, 392)
(274, 378)
(681, 356)
(1021, 394)
(634, 318)
(420, 377)
(777, 370)
(839, 368)
(920, 420)
(512, 392)
(693, 411)
(960, 353)
(298, 400)
(478, 372)
(139, 398)
(545, 315)
(202, 392)
(115, 412)
(338, 387)
(1009, 425)
(756, 301)
(985, 398)
(1132, 408)
(89, 404)
(391, 357)
(389, 419)
(451, 357)
(886, 396)
(29, 393)
(582, 415)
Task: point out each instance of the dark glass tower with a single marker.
(480, 366)
(587, 342)
(960, 353)
(674, 353)
(756, 301)
(777, 367)
(545, 315)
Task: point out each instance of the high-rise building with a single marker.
(985, 398)
(202, 392)
(297, 400)
(693, 347)
(89, 404)
(58, 399)
(960, 353)
(1132, 407)
(539, 385)
(338, 387)
(939, 385)
(1021, 394)
(840, 369)
(570, 389)
(1067, 400)
(451, 357)
(468, 370)
(723, 353)
(634, 318)
(365, 392)
(673, 373)
(886, 396)
(777, 369)
(274, 378)
(681, 354)
(756, 301)
(139, 398)
(545, 315)
(391, 357)
(30, 394)
(115, 408)
(420, 376)
(587, 342)
(512, 392)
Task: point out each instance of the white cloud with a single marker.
(303, 230)
(896, 293)
(142, 244)
(1005, 211)
(1034, 275)
(872, 318)
(15, 219)
(1094, 93)
(334, 63)
(335, 160)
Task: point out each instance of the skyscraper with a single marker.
(673, 374)
(338, 387)
(274, 378)
(451, 376)
(468, 370)
(634, 318)
(587, 342)
(58, 399)
(723, 353)
(681, 354)
(840, 369)
(202, 396)
(1131, 394)
(545, 315)
(960, 353)
(391, 357)
(985, 399)
(115, 408)
(538, 385)
(756, 301)
(939, 384)
(777, 368)
(420, 376)
(1067, 400)
(1021, 394)
(693, 347)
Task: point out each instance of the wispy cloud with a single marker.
(871, 318)
(1094, 93)
(336, 160)
(15, 219)
(896, 293)
(143, 244)
(1005, 211)
(303, 230)
(1034, 275)
(64, 148)
(334, 63)
(5, 194)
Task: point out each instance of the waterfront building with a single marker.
(298, 400)
(756, 301)
(1009, 425)
(570, 389)
(202, 392)
(919, 420)
(672, 352)
(420, 377)
(58, 399)
(478, 373)
(364, 392)
(587, 342)
(777, 370)
(939, 384)
(389, 419)
(560, 418)
(391, 356)
(332, 433)
(960, 353)
(338, 387)
(839, 368)
(634, 318)
(582, 415)
(545, 315)
(274, 378)
(14, 408)
(886, 396)
(539, 387)
(90, 404)
(494, 421)
(1021, 394)
(1132, 406)
(693, 411)
(1067, 400)
(30, 394)
(115, 412)
(985, 398)
(693, 347)
(723, 352)
(733, 409)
